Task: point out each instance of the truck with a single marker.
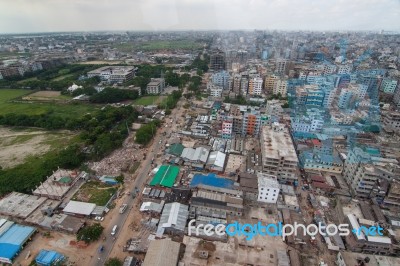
(123, 208)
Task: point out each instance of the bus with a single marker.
(123, 207)
(114, 230)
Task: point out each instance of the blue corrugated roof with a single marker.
(48, 257)
(211, 180)
(8, 251)
(13, 239)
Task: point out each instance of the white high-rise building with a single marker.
(255, 86)
(268, 188)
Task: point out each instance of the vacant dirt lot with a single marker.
(16, 146)
(46, 96)
(59, 242)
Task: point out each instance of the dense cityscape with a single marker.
(131, 148)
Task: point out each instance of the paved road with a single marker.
(119, 219)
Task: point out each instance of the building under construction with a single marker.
(217, 61)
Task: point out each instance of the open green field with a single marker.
(147, 100)
(63, 77)
(6, 55)
(159, 45)
(95, 192)
(11, 102)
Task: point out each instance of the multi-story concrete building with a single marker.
(315, 96)
(364, 167)
(236, 83)
(251, 122)
(217, 61)
(281, 66)
(307, 124)
(221, 79)
(227, 127)
(388, 85)
(244, 86)
(255, 86)
(329, 69)
(396, 97)
(268, 188)
(155, 86)
(360, 90)
(270, 83)
(392, 198)
(329, 93)
(281, 87)
(274, 110)
(215, 200)
(346, 97)
(313, 161)
(344, 69)
(391, 119)
(214, 90)
(113, 74)
(278, 153)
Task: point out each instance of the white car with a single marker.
(99, 218)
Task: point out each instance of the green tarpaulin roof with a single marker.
(165, 176)
(176, 149)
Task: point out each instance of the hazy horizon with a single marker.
(46, 16)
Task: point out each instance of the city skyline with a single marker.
(24, 16)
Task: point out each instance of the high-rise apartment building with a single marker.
(270, 83)
(389, 85)
(281, 66)
(279, 156)
(255, 86)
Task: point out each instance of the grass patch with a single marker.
(134, 167)
(5, 55)
(160, 45)
(28, 79)
(95, 192)
(9, 103)
(63, 77)
(8, 94)
(21, 139)
(147, 100)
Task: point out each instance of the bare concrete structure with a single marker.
(278, 153)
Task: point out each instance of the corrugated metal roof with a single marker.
(174, 216)
(79, 207)
(162, 252)
(48, 257)
(13, 239)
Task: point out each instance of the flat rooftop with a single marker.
(277, 143)
(20, 205)
(265, 180)
(236, 163)
(57, 185)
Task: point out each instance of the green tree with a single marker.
(120, 179)
(113, 262)
(90, 233)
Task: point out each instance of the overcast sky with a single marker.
(88, 15)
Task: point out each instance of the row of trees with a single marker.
(46, 79)
(90, 233)
(112, 95)
(146, 132)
